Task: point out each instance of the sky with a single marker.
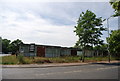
(49, 22)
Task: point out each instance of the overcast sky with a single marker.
(48, 23)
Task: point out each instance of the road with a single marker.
(92, 71)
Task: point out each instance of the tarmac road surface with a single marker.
(92, 71)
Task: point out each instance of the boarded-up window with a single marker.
(32, 48)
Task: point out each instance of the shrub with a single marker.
(21, 59)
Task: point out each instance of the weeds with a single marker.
(10, 60)
(21, 59)
(40, 60)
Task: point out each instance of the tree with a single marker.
(14, 46)
(88, 30)
(5, 45)
(114, 43)
(116, 6)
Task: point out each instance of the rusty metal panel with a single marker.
(73, 52)
(41, 51)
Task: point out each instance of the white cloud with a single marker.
(36, 22)
(35, 29)
(18, 1)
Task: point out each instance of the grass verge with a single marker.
(9, 60)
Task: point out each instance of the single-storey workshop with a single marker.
(47, 50)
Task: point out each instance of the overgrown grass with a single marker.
(10, 60)
(15, 60)
(40, 60)
(94, 59)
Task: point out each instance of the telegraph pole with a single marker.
(0, 45)
(108, 40)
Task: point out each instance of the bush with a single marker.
(21, 59)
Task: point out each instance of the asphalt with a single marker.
(99, 70)
(59, 64)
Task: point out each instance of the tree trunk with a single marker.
(97, 53)
(83, 57)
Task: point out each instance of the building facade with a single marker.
(32, 50)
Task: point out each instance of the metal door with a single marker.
(41, 51)
(73, 52)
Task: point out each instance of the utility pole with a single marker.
(108, 40)
(118, 22)
(0, 45)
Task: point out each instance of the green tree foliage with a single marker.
(101, 47)
(89, 29)
(14, 46)
(116, 6)
(5, 45)
(8, 46)
(114, 42)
